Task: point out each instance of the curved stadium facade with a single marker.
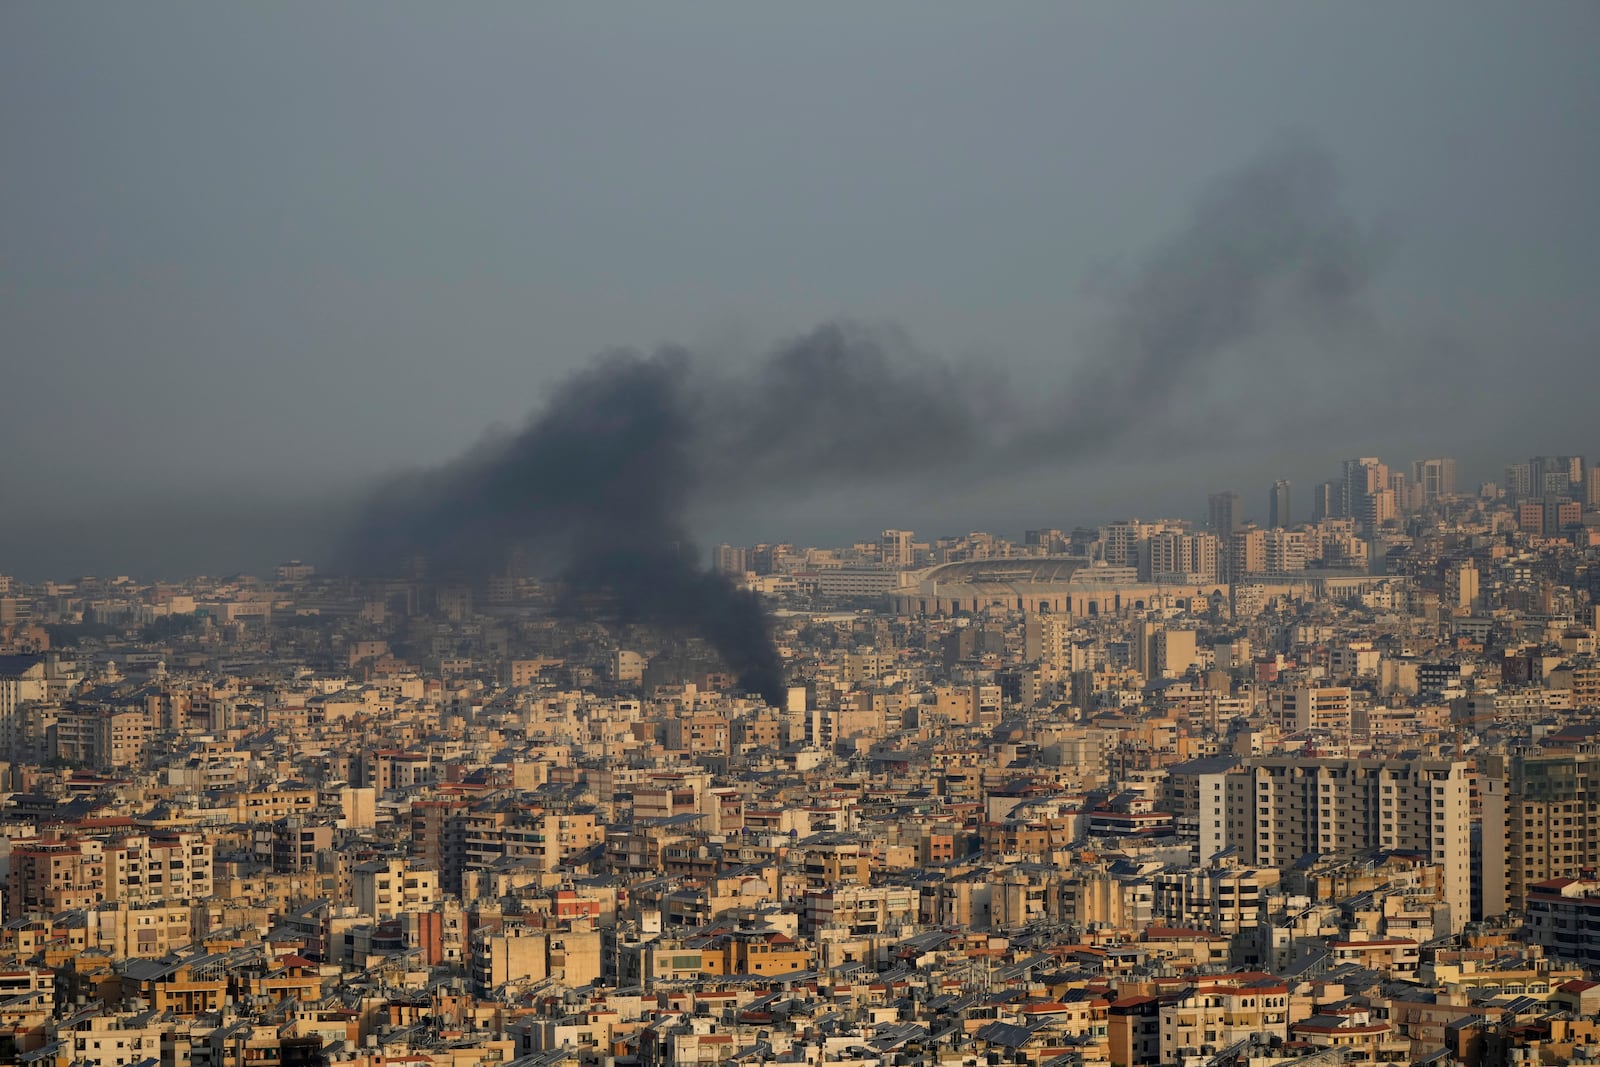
(1059, 585)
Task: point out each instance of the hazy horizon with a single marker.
(257, 260)
(252, 536)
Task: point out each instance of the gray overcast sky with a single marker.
(273, 250)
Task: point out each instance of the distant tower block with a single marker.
(895, 548)
(1224, 513)
(1278, 506)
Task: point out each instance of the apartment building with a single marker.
(53, 875)
(1223, 900)
(22, 678)
(516, 955)
(467, 838)
(1579, 675)
(1541, 821)
(57, 874)
(143, 930)
(269, 805)
(1195, 793)
(158, 866)
(1183, 556)
(294, 843)
(386, 887)
(1281, 808)
(1322, 709)
(861, 909)
(1048, 639)
(1564, 918)
(1217, 1012)
(108, 739)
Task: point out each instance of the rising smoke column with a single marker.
(1264, 247)
(599, 482)
(844, 402)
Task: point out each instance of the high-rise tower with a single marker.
(1224, 513)
(1435, 477)
(1278, 505)
(896, 548)
(1364, 479)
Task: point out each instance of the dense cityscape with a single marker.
(1311, 780)
(712, 534)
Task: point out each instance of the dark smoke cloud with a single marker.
(612, 442)
(598, 484)
(1266, 245)
(845, 400)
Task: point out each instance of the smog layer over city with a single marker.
(704, 534)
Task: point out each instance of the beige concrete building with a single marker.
(1047, 639)
(1195, 793)
(1541, 821)
(1223, 900)
(1172, 653)
(112, 1041)
(107, 739)
(1247, 552)
(1324, 709)
(22, 678)
(55, 874)
(268, 805)
(1183, 557)
(1094, 896)
(162, 866)
(519, 954)
(511, 954)
(1281, 808)
(146, 930)
(1220, 1011)
(385, 888)
(861, 909)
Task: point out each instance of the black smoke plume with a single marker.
(599, 482)
(1268, 245)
